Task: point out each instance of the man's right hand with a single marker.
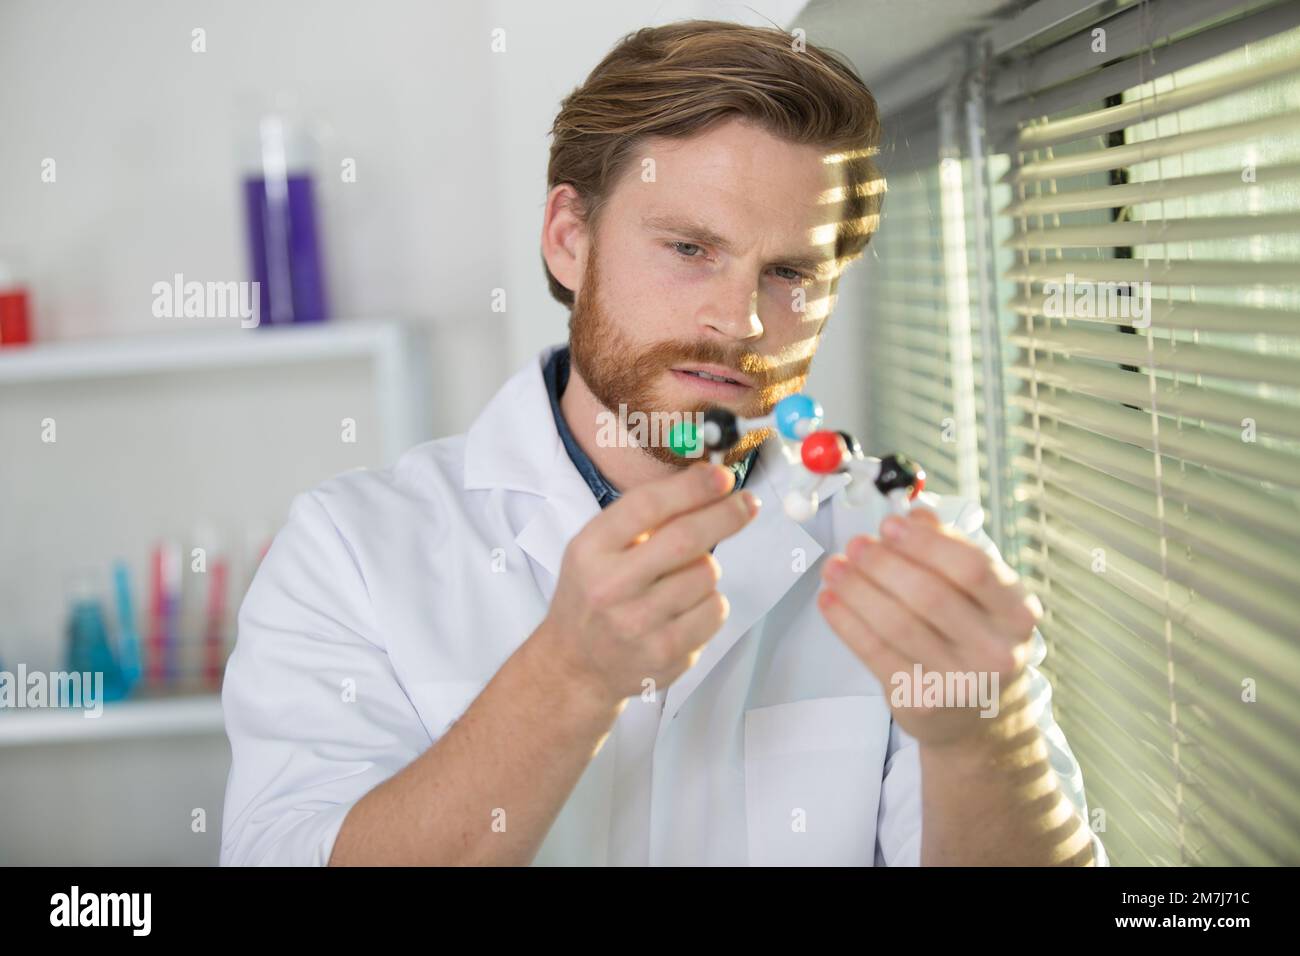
(637, 595)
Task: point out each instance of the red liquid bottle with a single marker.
(15, 328)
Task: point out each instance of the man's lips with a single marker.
(718, 371)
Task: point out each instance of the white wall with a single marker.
(450, 143)
(144, 132)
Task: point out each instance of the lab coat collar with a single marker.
(514, 445)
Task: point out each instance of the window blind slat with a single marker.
(1088, 342)
(1231, 590)
(1105, 159)
(1189, 316)
(1153, 232)
(1249, 597)
(1138, 629)
(1207, 540)
(1257, 839)
(1137, 70)
(1172, 599)
(1257, 738)
(1172, 398)
(1160, 272)
(1130, 739)
(1156, 190)
(1213, 495)
(1149, 107)
(1197, 445)
(1137, 683)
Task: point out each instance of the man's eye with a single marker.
(691, 250)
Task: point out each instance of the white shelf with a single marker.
(110, 357)
(139, 719)
(396, 350)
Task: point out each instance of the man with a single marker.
(534, 644)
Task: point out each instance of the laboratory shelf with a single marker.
(183, 351)
(395, 350)
(392, 355)
(141, 719)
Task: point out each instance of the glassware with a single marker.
(280, 215)
(89, 650)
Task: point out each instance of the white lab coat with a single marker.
(391, 597)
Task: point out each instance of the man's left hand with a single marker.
(925, 594)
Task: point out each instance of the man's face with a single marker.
(715, 253)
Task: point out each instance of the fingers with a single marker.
(623, 574)
(682, 639)
(674, 595)
(949, 612)
(907, 634)
(927, 515)
(645, 508)
(861, 638)
(687, 537)
(990, 584)
(670, 623)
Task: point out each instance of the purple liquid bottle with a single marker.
(283, 240)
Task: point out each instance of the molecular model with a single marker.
(821, 452)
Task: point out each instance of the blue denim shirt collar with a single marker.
(556, 374)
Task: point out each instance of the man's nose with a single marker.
(734, 313)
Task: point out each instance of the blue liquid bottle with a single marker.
(89, 651)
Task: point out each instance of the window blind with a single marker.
(924, 360)
(1154, 428)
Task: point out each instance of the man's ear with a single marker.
(564, 236)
